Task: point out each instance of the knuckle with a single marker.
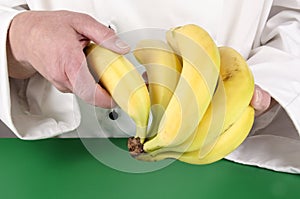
(86, 16)
(107, 33)
(62, 88)
(65, 90)
(54, 76)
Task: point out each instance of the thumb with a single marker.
(260, 101)
(99, 33)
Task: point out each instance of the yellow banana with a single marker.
(195, 87)
(239, 87)
(226, 143)
(212, 122)
(232, 97)
(163, 70)
(126, 86)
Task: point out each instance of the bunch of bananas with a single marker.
(198, 94)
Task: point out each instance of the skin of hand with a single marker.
(261, 101)
(51, 43)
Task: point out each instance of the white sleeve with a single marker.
(32, 108)
(275, 61)
(274, 142)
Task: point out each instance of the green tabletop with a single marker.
(64, 168)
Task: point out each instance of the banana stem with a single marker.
(135, 147)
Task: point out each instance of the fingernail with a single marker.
(121, 44)
(258, 96)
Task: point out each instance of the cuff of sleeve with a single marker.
(39, 110)
(6, 16)
(32, 110)
(260, 151)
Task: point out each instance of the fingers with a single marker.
(260, 101)
(99, 33)
(84, 85)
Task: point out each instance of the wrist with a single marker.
(18, 66)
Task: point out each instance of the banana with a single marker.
(163, 70)
(212, 122)
(232, 97)
(239, 87)
(226, 143)
(126, 86)
(195, 88)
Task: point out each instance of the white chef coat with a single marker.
(265, 32)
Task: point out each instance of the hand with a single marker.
(51, 43)
(261, 101)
